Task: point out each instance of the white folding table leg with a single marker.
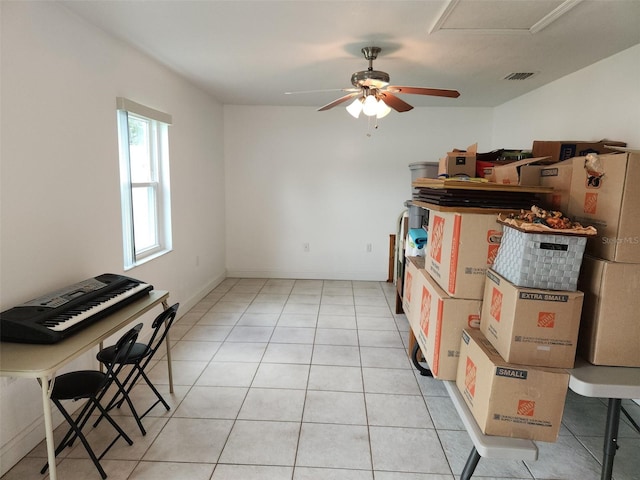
(48, 428)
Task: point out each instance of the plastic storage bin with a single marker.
(423, 170)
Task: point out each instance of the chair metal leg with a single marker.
(155, 390)
(115, 425)
(80, 435)
(116, 401)
(131, 407)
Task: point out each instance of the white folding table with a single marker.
(41, 362)
(614, 383)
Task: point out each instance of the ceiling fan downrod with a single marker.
(370, 54)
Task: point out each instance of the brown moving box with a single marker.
(459, 162)
(515, 173)
(610, 325)
(409, 298)
(506, 399)
(611, 203)
(531, 326)
(557, 176)
(459, 249)
(438, 327)
(564, 149)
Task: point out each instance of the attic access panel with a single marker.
(500, 16)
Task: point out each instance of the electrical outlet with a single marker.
(305, 247)
(368, 248)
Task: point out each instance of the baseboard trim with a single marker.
(291, 274)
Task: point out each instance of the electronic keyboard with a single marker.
(56, 315)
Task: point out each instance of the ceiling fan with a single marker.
(373, 95)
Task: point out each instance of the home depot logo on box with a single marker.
(494, 237)
(425, 311)
(590, 203)
(407, 287)
(470, 377)
(496, 304)
(473, 321)
(436, 237)
(526, 408)
(546, 319)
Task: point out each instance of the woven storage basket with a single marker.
(540, 260)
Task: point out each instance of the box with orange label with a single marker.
(507, 399)
(607, 196)
(438, 327)
(460, 247)
(531, 326)
(413, 265)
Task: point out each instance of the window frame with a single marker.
(159, 183)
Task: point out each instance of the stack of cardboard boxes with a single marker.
(521, 331)
(443, 290)
(609, 199)
(610, 276)
(516, 340)
(512, 373)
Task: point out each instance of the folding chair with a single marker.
(91, 385)
(141, 355)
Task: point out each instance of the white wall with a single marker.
(60, 200)
(295, 176)
(599, 101)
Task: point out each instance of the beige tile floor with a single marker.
(309, 380)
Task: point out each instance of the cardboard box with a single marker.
(438, 327)
(610, 326)
(510, 400)
(459, 162)
(531, 326)
(560, 150)
(460, 247)
(540, 260)
(610, 203)
(556, 176)
(412, 266)
(514, 173)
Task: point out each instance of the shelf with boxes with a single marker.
(507, 338)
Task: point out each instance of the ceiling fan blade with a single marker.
(325, 90)
(394, 102)
(435, 92)
(339, 101)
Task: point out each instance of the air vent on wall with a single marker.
(519, 75)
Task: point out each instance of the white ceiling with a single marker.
(252, 52)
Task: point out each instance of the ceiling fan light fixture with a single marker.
(355, 107)
(382, 109)
(370, 106)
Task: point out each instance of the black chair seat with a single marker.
(80, 384)
(108, 354)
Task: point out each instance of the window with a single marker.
(144, 182)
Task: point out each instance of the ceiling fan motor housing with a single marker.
(370, 78)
